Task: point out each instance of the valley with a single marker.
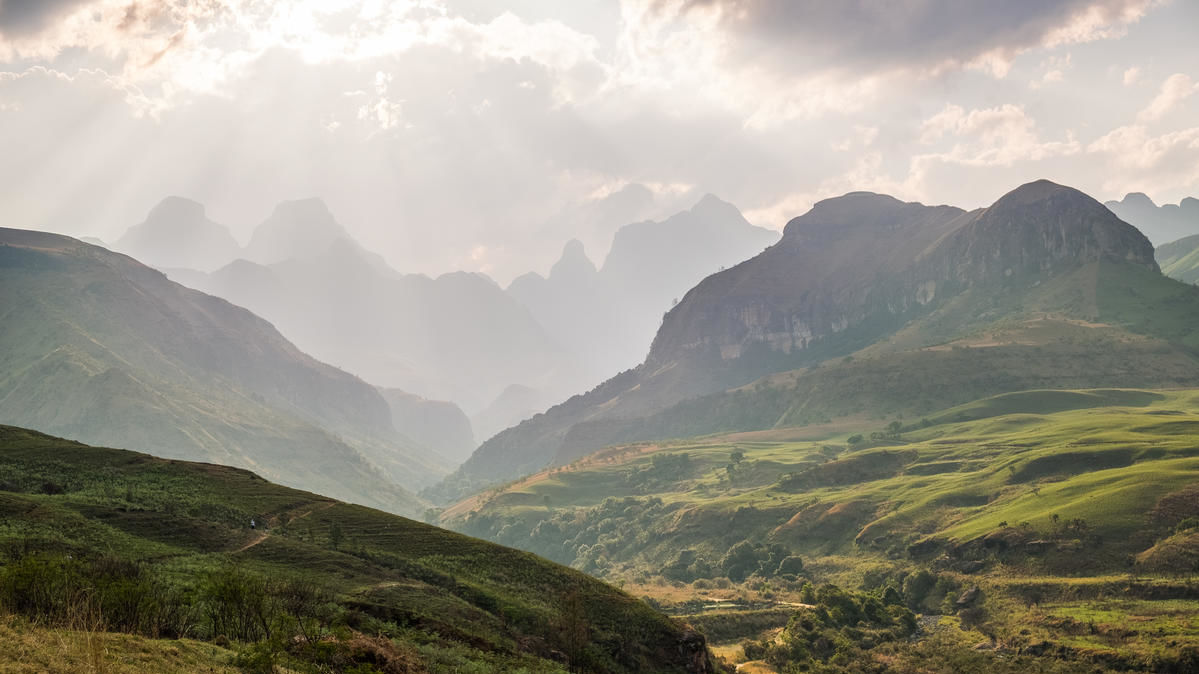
(1071, 512)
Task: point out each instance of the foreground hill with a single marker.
(164, 548)
(1073, 515)
(100, 348)
(936, 306)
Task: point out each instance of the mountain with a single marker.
(438, 425)
(1180, 259)
(165, 550)
(178, 233)
(872, 305)
(1162, 224)
(606, 318)
(458, 337)
(295, 230)
(102, 349)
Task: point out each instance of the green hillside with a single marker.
(1180, 259)
(114, 540)
(1078, 503)
(99, 348)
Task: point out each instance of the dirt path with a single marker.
(261, 536)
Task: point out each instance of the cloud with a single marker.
(925, 36)
(1131, 76)
(1136, 160)
(22, 17)
(1176, 89)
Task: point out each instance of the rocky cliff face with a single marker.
(862, 256)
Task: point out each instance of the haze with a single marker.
(483, 136)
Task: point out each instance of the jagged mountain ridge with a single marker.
(1162, 224)
(100, 348)
(606, 317)
(845, 276)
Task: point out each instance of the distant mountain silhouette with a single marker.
(457, 337)
(606, 318)
(1162, 224)
(177, 233)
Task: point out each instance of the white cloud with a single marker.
(1176, 89)
(1131, 76)
(999, 136)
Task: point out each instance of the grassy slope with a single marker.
(186, 518)
(975, 487)
(1102, 455)
(1180, 259)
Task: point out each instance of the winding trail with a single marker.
(261, 536)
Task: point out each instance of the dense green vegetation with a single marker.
(103, 540)
(1052, 503)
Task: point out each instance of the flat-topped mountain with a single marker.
(100, 348)
(870, 276)
(178, 233)
(297, 229)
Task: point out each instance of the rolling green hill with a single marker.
(1057, 503)
(97, 347)
(97, 540)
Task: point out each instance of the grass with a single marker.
(457, 598)
(32, 649)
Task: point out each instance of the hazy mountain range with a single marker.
(502, 356)
(1161, 224)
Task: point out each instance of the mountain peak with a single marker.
(1138, 199)
(573, 263)
(176, 233)
(711, 206)
(175, 208)
(836, 217)
(1038, 191)
(297, 229)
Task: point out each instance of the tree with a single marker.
(736, 455)
(855, 440)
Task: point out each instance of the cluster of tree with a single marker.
(741, 561)
(664, 468)
(835, 630)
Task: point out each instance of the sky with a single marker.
(483, 135)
